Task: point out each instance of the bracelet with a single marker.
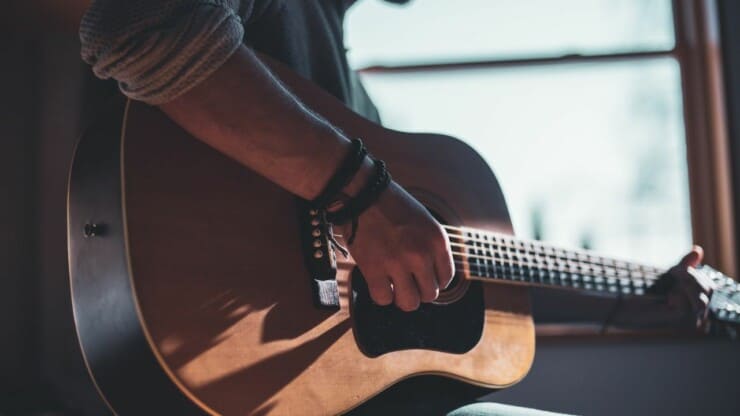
(353, 208)
(343, 175)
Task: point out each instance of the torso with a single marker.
(308, 37)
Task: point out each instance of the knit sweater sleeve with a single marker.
(158, 49)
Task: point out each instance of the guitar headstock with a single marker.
(724, 304)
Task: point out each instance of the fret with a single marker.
(502, 257)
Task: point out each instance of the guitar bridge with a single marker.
(319, 254)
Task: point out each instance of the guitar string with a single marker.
(489, 268)
(604, 286)
(546, 250)
(517, 244)
(493, 247)
(563, 254)
(599, 286)
(570, 268)
(540, 249)
(605, 271)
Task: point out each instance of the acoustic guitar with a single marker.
(199, 287)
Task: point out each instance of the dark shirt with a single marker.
(308, 36)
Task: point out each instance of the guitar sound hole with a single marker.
(453, 327)
(455, 291)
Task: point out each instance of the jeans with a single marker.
(437, 396)
(496, 409)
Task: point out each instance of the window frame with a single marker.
(699, 53)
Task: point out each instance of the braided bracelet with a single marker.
(343, 175)
(353, 208)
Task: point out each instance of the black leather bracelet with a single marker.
(367, 196)
(343, 175)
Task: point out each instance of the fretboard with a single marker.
(487, 255)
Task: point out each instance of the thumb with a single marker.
(694, 257)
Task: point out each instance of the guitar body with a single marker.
(191, 292)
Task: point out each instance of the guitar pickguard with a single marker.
(454, 328)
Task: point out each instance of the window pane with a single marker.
(447, 30)
(589, 154)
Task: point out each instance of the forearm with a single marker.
(243, 111)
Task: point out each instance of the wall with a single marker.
(18, 308)
(43, 82)
(681, 377)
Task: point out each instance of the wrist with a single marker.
(344, 174)
(360, 179)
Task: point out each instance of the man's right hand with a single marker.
(401, 250)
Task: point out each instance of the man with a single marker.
(196, 60)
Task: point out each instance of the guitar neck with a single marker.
(489, 256)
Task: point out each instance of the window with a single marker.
(434, 31)
(575, 104)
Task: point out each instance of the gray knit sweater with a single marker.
(158, 49)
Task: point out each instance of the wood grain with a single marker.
(216, 263)
(196, 293)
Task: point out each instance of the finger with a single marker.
(695, 301)
(696, 294)
(694, 258)
(692, 286)
(381, 291)
(378, 284)
(704, 281)
(444, 265)
(692, 282)
(426, 280)
(405, 293)
(701, 311)
(703, 321)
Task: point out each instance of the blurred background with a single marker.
(611, 125)
(589, 153)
